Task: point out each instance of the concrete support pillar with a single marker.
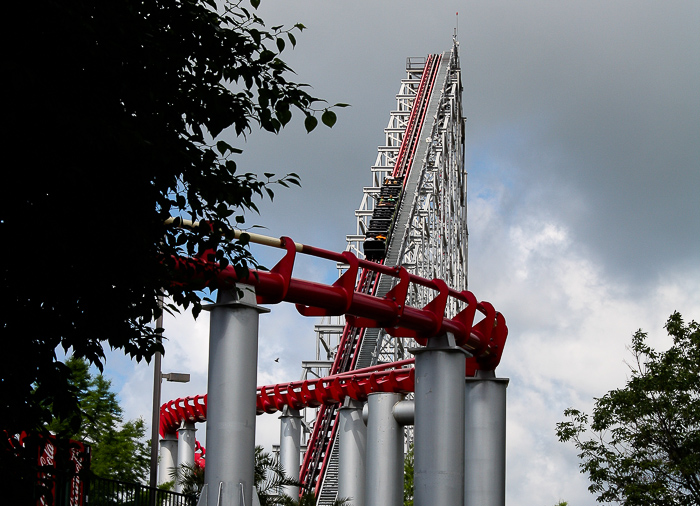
(352, 443)
(233, 359)
(439, 424)
(485, 440)
(384, 476)
(168, 458)
(290, 447)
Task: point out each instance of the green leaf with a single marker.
(329, 118)
(280, 44)
(223, 146)
(284, 115)
(266, 56)
(341, 105)
(255, 3)
(310, 123)
(292, 39)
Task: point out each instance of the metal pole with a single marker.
(439, 424)
(185, 448)
(155, 415)
(233, 359)
(352, 446)
(384, 476)
(290, 448)
(168, 458)
(485, 440)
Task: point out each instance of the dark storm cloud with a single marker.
(604, 98)
(592, 106)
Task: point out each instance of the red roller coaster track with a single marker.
(484, 340)
(354, 295)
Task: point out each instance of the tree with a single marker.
(408, 472)
(115, 111)
(118, 449)
(642, 444)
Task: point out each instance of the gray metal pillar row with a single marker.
(168, 458)
(384, 475)
(485, 440)
(439, 424)
(290, 448)
(352, 442)
(233, 360)
(185, 447)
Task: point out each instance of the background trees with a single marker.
(641, 445)
(113, 110)
(118, 449)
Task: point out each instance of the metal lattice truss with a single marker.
(387, 154)
(433, 244)
(430, 230)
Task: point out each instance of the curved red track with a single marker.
(483, 340)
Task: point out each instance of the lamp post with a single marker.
(155, 420)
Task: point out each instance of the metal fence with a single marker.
(106, 492)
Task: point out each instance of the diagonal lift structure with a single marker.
(424, 147)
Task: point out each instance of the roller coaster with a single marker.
(403, 275)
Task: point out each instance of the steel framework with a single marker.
(424, 144)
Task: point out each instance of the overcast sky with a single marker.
(583, 149)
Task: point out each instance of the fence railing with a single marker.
(106, 492)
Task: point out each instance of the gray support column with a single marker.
(168, 458)
(233, 359)
(352, 442)
(439, 424)
(485, 440)
(185, 447)
(290, 447)
(384, 476)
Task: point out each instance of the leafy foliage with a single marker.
(118, 448)
(408, 472)
(269, 477)
(191, 479)
(115, 113)
(642, 443)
